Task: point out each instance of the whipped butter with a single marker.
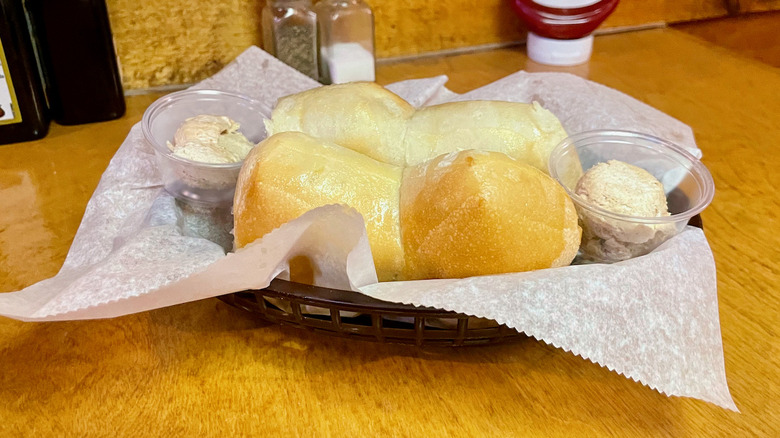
(210, 139)
(628, 190)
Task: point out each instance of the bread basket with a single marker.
(357, 316)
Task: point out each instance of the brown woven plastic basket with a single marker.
(357, 316)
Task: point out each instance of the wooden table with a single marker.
(207, 369)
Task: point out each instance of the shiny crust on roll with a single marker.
(361, 116)
(460, 214)
(291, 173)
(477, 213)
(374, 121)
(525, 132)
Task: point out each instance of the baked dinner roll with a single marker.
(291, 173)
(460, 214)
(361, 116)
(526, 132)
(372, 120)
(477, 213)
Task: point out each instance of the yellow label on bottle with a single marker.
(9, 106)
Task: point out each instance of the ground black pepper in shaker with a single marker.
(290, 34)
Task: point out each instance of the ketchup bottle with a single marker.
(560, 31)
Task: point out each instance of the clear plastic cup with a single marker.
(609, 236)
(195, 182)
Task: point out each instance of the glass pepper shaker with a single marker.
(290, 34)
(346, 41)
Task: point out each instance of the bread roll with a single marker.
(361, 116)
(372, 120)
(291, 173)
(462, 214)
(476, 213)
(526, 132)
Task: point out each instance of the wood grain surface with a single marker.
(748, 34)
(207, 369)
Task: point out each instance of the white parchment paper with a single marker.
(653, 319)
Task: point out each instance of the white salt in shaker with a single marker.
(346, 39)
(290, 34)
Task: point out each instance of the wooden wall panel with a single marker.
(748, 34)
(183, 41)
(180, 41)
(758, 5)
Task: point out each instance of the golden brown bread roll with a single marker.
(291, 173)
(525, 132)
(370, 119)
(477, 213)
(461, 214)
(361, 116)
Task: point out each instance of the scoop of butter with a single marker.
(628, 190)
(210, 139)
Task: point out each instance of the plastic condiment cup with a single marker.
(206, 184)
(609, 236)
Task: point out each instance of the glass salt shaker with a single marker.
(346, 40)
(290, 34)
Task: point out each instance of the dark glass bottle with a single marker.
(23, 113)
(77, 50)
